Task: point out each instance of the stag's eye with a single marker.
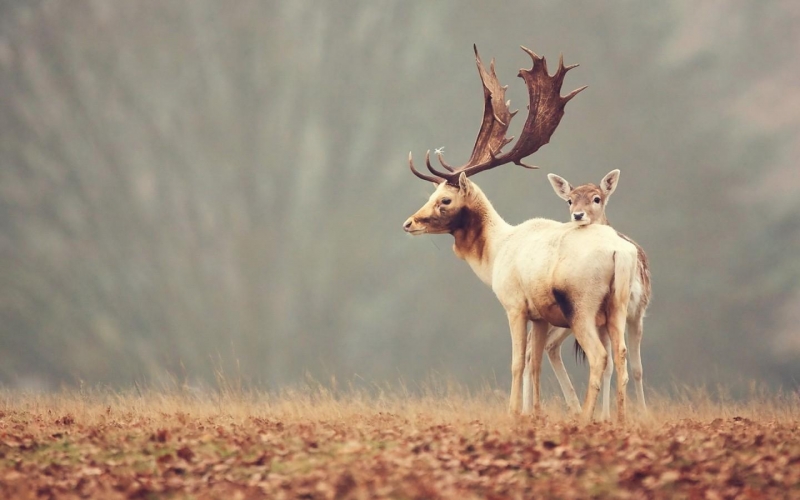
(597, 199)
(569, 202)
(446, 201)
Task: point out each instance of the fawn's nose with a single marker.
(578, 215)
(407, 225)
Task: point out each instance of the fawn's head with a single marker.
(587, 203)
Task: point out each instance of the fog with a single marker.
(189, 188)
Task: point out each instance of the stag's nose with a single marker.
(407, 225)
(578, 215)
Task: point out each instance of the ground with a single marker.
(319, 444)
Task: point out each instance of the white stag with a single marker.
(587, 205)
(546, 272)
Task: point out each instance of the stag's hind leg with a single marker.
(555, 336)
(536, 342)
(588, 337)
(518, 323)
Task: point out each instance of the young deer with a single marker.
(587, 205)
(546, 272)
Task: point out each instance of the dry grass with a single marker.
(440, 441)
(436, 402)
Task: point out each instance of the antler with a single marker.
(545, 109)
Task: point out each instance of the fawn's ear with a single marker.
(560, 185)
(609, 182)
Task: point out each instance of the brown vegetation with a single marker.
(322, 444)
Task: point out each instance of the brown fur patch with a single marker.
(550, 312)
(468, 229)
(564, 303)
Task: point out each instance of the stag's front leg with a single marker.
(518, 323)
(586, 333)
(540, 331)
(527, 375)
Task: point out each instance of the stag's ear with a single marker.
(609, 182)
(560, 185)
(463, 183)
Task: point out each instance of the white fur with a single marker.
(523, 265)
(637, 305)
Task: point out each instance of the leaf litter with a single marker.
(172, 446)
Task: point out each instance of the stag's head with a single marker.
(445, 208)
(445, 211)
(587, 203)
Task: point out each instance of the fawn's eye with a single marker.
(569, 202)
(446, 201)
(597, 199)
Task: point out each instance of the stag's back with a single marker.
(542, 259)
(587, 204)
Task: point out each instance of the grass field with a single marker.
(314, 443)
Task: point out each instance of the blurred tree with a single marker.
(191, 186)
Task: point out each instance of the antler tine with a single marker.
(494, 155)
(561, 63)
(572, 94)
(537, 59)
(524, 165)
(531, 53)
(420, 174)
(562, 70)
(444, 163)
(505, 143)
(508, 103)
(448, 177)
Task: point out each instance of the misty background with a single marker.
(188, 187)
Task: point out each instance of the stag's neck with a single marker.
(478, 235)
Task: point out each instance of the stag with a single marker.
(587, 205)
(542, 271)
